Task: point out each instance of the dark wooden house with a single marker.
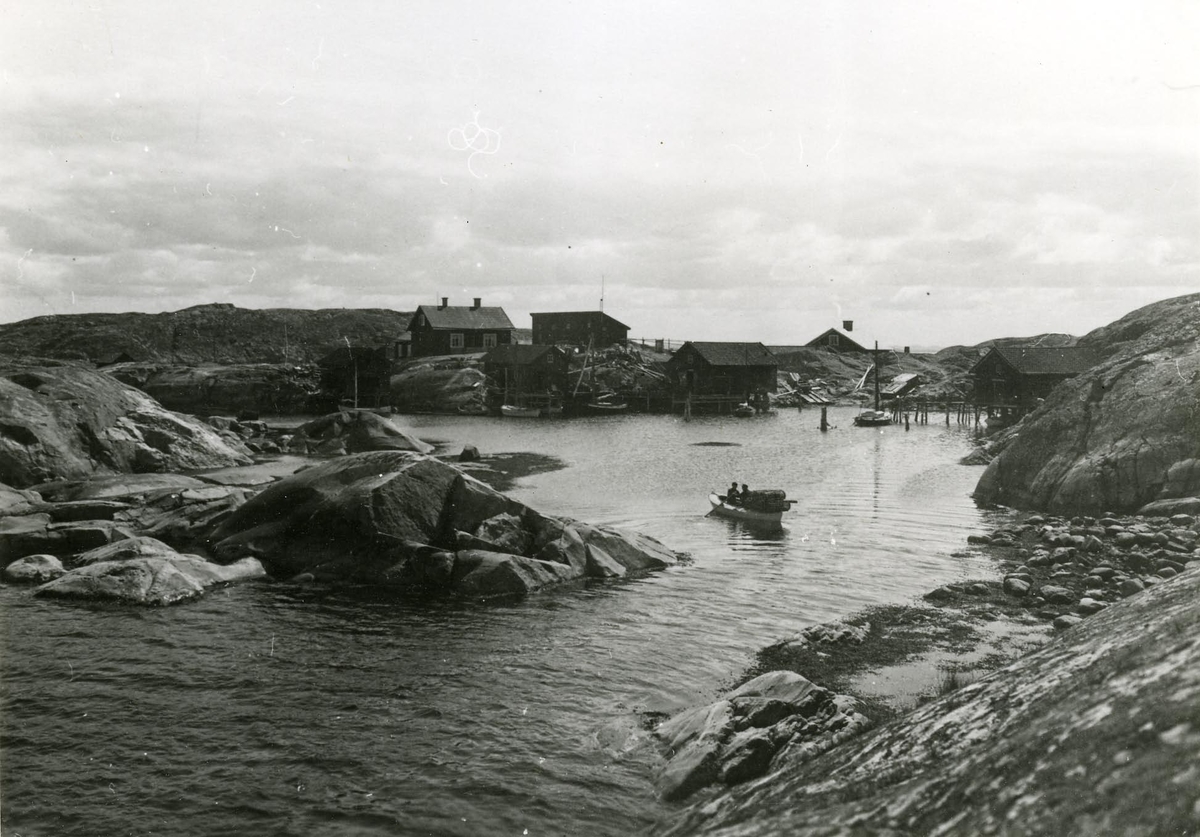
(578, 328)
(356, 375)
(836, 339)
(457, 329)
(731, 370)
(522, 370)
(1019, 376)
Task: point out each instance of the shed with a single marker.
(356, 373)
(458, 329)
(1020, 375)
(524, 369)
(734, 369)
(578, 328)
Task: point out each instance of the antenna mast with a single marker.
(601, 293)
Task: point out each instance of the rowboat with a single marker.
(744, 410)
(513, 411)
(606, 403)
(722, 509)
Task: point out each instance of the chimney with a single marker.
(847, 325)
(445, 303)
(475, 307)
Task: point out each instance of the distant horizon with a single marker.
(914, 348)
(937, 172)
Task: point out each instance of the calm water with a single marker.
(292, 710)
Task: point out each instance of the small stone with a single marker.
(1089, 606)
(1167, 572)
(1130, 586)
(1068, 620)
(1057, 595)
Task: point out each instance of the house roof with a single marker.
(464, 317)
(819, 340)
(518, 354)
(1042, 360)
(580, 314)
(734, 354)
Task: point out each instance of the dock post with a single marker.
(824, 421)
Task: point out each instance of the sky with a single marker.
(940, 173)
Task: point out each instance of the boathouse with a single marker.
(1017, 377)
(729, 370)
(578, 328)
(839, 340)
(522, 370)
(458, 329)
(357, 375)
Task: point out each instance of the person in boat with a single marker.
(745, 495)
(731, 496)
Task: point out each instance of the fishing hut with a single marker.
(1010, 381)
(717, 377)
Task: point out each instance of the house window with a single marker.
(833, 340)
(420, 319)
(489, 341)
(456, 340)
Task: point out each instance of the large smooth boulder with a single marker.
(146, 573)
(62, 421)
(357, 431)
(34, 569)
(736, 738)
(413, 521)
(1119, 436)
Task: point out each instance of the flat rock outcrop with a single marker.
(416, 523)
(1120, 436)
(236, 389)
(353, 431)
(1096, 732)
(61, 421)
(144, 571)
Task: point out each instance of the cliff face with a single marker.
(60, 421)
(219, 334)
(1120, 436)
(1095, 733)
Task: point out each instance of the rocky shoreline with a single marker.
(1055, 572)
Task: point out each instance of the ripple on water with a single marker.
(300, 710)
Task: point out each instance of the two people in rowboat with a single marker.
(734, 497)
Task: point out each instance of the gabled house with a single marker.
(457, 329)
(1021, 375)
(728, 369)
(578, 328)
(837, 339)
(521, 369)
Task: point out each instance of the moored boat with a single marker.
(876, 417)
(744, 410)
(872, 418)
(607, 403)
(514, 411)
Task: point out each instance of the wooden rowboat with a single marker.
(722, 509)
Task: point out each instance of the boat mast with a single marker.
(875, 358)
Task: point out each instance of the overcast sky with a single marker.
(938, 172)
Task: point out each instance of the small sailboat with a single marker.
(875, 417)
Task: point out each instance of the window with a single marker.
(489, 341)
(420, 319)
(833, 340)
(456, 340)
